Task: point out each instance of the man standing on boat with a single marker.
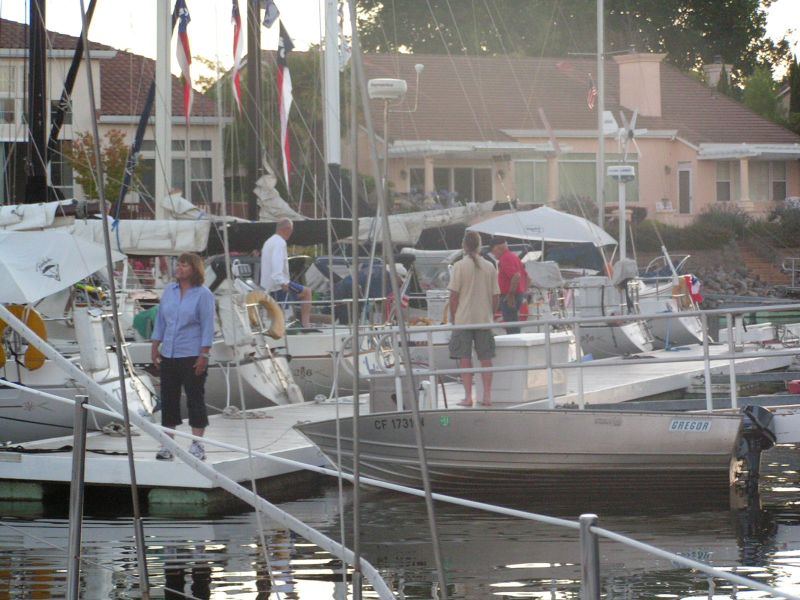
(275, 272)
(513, 281)
(474, 295)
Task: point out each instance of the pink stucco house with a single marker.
(477, 131)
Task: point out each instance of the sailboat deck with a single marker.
(271, 430)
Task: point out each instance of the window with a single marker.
(7, 113)
(767, 180)
(417, 180)
(482, 185)
(778, 180)
(201, 181)
(576, 179)
(197, 186)
(61, 172)
(462, 184)
(8, 94)
(727, 180)
(465, 184)
(441, 180)
(530, 181)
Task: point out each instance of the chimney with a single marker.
(713, 71)
(640, 82)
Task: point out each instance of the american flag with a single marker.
(238, 50)
(591, 96)
(184, 57)
(284, 98)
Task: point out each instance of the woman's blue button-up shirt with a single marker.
(184, 325)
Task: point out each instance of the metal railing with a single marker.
(792, 266)
(731, 316)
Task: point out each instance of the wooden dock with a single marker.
(41, 466)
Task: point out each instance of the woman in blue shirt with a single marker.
(181, 341)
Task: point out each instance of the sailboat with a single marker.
(43, 263)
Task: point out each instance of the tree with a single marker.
(723, 85)
(759, 93)
(113, 154)
(794, 83)
(691, 32)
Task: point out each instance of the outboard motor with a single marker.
(758, 435)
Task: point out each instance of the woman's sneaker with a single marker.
(164, 454)
(197, 450)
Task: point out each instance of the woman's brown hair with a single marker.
(472, 245)
(198, 268)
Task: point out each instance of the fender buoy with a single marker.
(256, 298)
(33, 358)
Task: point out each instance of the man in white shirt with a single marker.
(275, 272)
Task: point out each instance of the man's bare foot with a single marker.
(486, 403)
(465, 404)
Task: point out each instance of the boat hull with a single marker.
(603, 341)
(680, 330)
(475, 451)
(26, 415)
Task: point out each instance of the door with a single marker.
(684, 188)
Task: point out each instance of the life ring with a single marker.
(33, 358)
(256, 298)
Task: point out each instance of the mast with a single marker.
(163, 81)
(601, 107)
(35, 163)
(333, 144)
(253, 106)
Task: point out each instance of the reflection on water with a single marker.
(486, 555)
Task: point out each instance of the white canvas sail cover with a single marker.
(21, 217)
(271, 207)
(177, 207)
(148, 237)
(406, 228)
(544, 275)
(624, 269)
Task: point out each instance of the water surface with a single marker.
(485, 555)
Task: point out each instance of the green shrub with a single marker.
(723, 217)
(782, 226)
(578, 205)
(646, 236)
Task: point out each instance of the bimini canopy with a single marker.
(546, 224)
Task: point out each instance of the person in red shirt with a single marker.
(513, 281)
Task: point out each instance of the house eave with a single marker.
(23, 53)
(442, 149)
(585, 133)
(742, 151)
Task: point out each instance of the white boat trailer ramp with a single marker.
(44, 467)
